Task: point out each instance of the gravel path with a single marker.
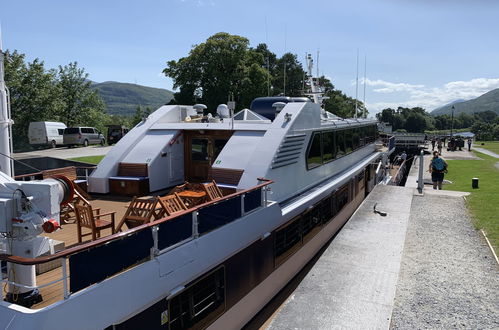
(449, 278)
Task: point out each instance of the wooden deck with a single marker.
(68, 235)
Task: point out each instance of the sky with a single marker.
(414, 52)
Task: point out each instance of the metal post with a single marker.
(420, 176)
(195, 231)
(154, 249)
(64, 278)
(242, 204)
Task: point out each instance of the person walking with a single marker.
(438, 167)
(469, 144)
(433, 144)
(439, 146)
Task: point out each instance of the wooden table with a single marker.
(192, 198)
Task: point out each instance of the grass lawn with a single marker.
(489, 145)
(483, 202)
(88, 159)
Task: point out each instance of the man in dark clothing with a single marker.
(438, 167)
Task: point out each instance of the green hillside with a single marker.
(485, 102)
(123, 98)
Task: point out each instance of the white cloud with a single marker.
(431, 97)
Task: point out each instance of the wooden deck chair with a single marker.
(170, 204)
(68, 214)
(139, 212)
(86, 218)
(212, 191)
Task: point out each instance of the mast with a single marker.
(365, 77)
(5, 121)
(313, 87)
(357, 86)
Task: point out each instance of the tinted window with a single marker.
(348, 141)
(314, 156)
(341, 197)
(199, 149)
(287, 240)
(364, 132)
(200, 303)
(340, 144)
(328, 145)
(60, 131)
(87, 130)
(355, 138)
(71, 130)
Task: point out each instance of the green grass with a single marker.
(483, 202)
(88, 159)
(489, 145)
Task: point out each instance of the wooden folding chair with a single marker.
(170, 204)
(139, 212)
(212, 191)
(85, 218)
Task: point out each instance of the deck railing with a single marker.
(92, 262)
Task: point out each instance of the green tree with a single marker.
(289, 72)
(217, 68)
(415, 122)
(34, 95)
(82, 105)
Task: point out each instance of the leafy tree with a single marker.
(294, 79)
(82, 105)
(34, 95)
(217, 68)
(415, 122)
(139, 115)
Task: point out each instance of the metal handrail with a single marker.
(104, 240)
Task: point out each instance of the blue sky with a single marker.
(419, 52)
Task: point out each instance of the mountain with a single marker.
(450, 104)
(123, 98)
(487, 101)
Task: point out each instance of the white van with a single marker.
(46, 133)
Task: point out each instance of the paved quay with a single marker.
(423, 266)
(65, 152)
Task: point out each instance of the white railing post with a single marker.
(242, 204)
(195, 232)
(420, 176)
(154, 249)
(64, 277)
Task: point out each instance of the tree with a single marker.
(216, 69)
(289, 73)
(82, 105)
(34, 95)
(415, 122)
(139, 115)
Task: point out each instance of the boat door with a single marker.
(201, 150)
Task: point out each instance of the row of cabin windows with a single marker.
(203, 302)
(290, 237)
(326, 146)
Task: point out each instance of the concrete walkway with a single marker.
(353, 284)
(65, 152)
(487, 152)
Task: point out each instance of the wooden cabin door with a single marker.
(201, 150)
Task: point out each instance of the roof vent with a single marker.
(200, 108)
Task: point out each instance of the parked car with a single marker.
(46, 133)
(83, 136)
(115, 133)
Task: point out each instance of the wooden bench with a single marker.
(132, 180)
(227, 179)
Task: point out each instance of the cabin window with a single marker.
(348, 141)
(327, 209)
(287, 240)
(340, 144)
(328, 146)
(200, 304)
(341, 197)
(199, 149)
(355, 138)
(311, 223)
(364, 132)
(60, 131)
(314, 156)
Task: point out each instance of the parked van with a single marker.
(115, 133)
(83, 136)
(46, 133)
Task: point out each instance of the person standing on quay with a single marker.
(439, 146)
(433, 144)
(469, 144)
(438, 167)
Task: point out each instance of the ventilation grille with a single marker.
(289, 151)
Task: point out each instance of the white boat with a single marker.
(289, 183)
